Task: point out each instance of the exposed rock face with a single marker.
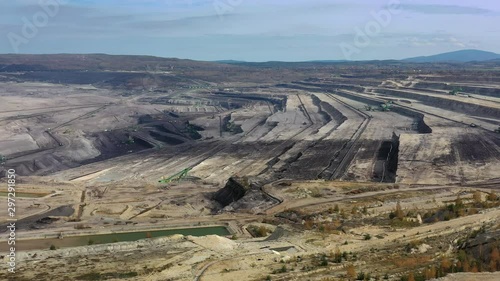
(234, 190)
(242, 196)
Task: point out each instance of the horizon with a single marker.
(242, 61)
(257, 31)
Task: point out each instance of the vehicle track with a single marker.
(81, 116)
(61, 106)
(214, 151)
(270, 210)
(306, 113)
(20, 117)
(288, 143)
(337, 171)
(313, 144)
(413, 109)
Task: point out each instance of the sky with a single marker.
(250, 30)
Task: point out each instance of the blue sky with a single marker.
(258, 30)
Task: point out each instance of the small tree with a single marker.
(445, 264)
(324, 261)
(477, 197)
(492, 196)
(494, 259)
(459, 203)
(399, 211)
(336, 209)
(337, 257)
(430, 273)
(351, 272)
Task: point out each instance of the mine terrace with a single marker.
(299, 171)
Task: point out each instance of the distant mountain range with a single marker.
(458, 56)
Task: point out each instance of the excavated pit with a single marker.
(234, 190)
(448, 104)
(386, 164)
(483, 91)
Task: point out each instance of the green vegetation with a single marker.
(258, 231)
(398, 218)
(283, 269)
(483, 259)
(459, 208)
(232, 128)
(363, 276)
(316, 193)
(130, 140)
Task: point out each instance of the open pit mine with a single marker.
(210, 171)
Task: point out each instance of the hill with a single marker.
(458, 56)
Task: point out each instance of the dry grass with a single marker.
(411, 262)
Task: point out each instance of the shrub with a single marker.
(260, 231)
(351, 272)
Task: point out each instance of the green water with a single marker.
(75, 241)
(24, 195)
(134, 236)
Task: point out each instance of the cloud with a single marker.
(436, 41)
(444, 9)
(186, 22)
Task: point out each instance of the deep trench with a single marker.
(386, 164)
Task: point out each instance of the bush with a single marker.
(324, 261)
(52, 247)
(367, 236)
(260, 231)
(492, 196)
